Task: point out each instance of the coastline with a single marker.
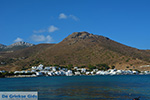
(37, 71)
(26, 76)
(20, 76)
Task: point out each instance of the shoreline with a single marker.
(20, 76)
(26, 76)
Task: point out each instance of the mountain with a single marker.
(29, 51)
(13, 60)
(80, 49)
(83, 48)
(21, 43)
(2, 46)
(15, 46)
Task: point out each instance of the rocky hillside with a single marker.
(82, 48)
(21, 43)
(15, 46)
(12, 60)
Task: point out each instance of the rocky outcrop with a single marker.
(21, 43)
(80, 35)
(15, 46)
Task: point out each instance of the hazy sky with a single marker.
(50, 21)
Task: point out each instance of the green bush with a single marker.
(6, 74)
(70, 66)
(103, 66)
(127, 66)
(112, 67)
(91, 67)
(138, 70)
(128, 60)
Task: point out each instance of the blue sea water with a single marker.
(123, 87)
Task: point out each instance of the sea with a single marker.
(117, 87)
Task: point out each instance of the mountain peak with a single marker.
(79, 35)
(21, 43)
(15, 46)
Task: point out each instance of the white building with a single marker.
(40, 67)
(17, 72)
(39, 73)
(33, 71)
(83, 70)
(47, 68)
(77, 73)
(69, 73)
(75, 68)
(34, 68)
(87, 73)
(27, 71)
(54, 69)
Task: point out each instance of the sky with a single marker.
(50, 21)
